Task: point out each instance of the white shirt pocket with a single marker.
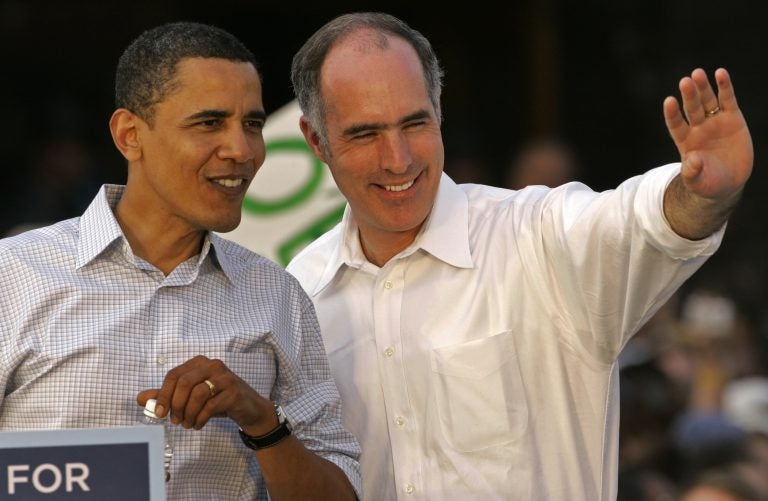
(479, 393)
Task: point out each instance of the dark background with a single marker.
(591, 73)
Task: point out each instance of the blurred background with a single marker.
(537, 91)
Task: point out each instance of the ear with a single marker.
(312, 138)
(123, 126)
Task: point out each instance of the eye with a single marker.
(363, 136)
(254, 124)
(209, 123)
(415, 125)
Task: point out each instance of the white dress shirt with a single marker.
(480, 362)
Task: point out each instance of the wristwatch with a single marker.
(271, 438)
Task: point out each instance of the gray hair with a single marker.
(305, 70)
(146, 70)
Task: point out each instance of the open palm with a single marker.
(713, 139)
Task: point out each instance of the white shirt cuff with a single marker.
(649, 210)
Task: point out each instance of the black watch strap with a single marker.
(282, 430)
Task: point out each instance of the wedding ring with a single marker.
(211, 387)
(713, 112)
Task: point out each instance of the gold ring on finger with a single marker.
(713, 111)
(211, 387)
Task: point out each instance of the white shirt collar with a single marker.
(445, 235)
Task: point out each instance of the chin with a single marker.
(224, 225)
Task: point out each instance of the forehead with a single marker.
(365, 74)
(208, 78)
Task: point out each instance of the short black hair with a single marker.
(146, 70)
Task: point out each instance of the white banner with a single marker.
(293, 198)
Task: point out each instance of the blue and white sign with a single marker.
(118, 464)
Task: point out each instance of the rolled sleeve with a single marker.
(316, 419)
(649, 210)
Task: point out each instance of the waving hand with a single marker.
(716, 153)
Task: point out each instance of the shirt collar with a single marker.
(445, 235)
(98, 225)
(446, 232)
(99, 229)
(219, 255)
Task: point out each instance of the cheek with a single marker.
(259, 157)
(185, 156)
(429, 148)
(348, 180)
(352, 164)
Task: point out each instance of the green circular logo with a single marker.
(264, 207)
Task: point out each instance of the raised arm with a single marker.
(716, 154)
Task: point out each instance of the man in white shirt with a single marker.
(473, 331)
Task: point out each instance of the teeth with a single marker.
(229, 183)
(399, 187)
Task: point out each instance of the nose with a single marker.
(395, 152)
(240, 145)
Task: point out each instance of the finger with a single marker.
(707, 94)
(145, 395)
(725, 92)
(214, 396)
(189, 386)
(198, 398)
(211, 409)
(163, 405)
(691, 101)
(677, 126)
(176, 386)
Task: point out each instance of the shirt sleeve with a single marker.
(609, 260)
(308, 394)
(649, 208)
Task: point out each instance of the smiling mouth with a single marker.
(398, 187)
(229, 183)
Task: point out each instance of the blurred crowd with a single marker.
(694, 404)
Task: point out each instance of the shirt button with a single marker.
(161, 360)
(389, 351)
(387, 284)
(409, 488)
(400, 421)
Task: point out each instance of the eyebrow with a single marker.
(251, 115)
(356, 129)
(256, 115)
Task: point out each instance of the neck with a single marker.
(379, 249)
(155, 239)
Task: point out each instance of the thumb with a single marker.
(145, 395)
(691, 167)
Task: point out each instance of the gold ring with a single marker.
(713, 112)
(211, 387)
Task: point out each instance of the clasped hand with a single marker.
(203, 388)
